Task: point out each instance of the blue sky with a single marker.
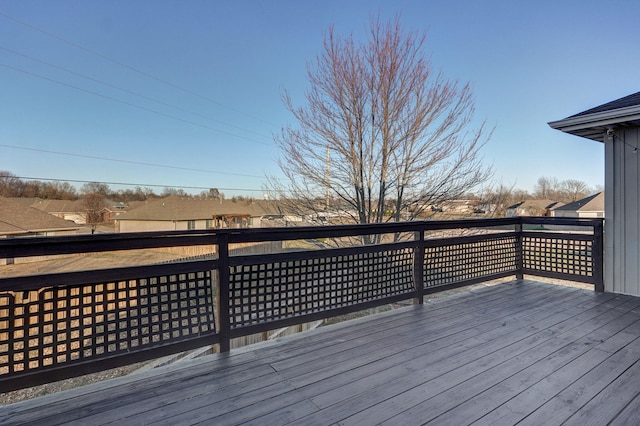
(203, 81)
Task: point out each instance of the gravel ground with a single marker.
(36, 391)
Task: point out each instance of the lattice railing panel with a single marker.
(283, 289)
(61, 325)
(558, 255)
(460, 261)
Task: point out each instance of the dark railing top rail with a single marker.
(564, 221)
(42, 246)
(35, 282)
(292, 233)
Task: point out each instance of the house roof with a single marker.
(537, 204)
(624, 102)
(59, 206)
(180, 208)
(26, 201)
(594, 123)
(592, 203)
(16, 218)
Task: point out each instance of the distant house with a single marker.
(457, 206)
(180, 213)
(532, 208)
(592, 206)
(76, 211)
(19, 220)
(64, 209)
(112, 209)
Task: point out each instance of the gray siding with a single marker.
(622, 226)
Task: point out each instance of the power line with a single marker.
(115, 61)
(147, 185)
(130, 104)
(158, 101)
(127, 161)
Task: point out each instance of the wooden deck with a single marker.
(521, 352)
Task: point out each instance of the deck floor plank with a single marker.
(449, 308)
(529, 366)
(516, 352)
(433, 368)
(559, 405)
(630, 416)
(608, 403)
(148, 407)
(436, 329)
(445, 317)
(533, 385)
(456, 349)
(377, 374)
(89, 399)
(403, 392)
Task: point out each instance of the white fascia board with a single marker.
(13, 233)
(75, 228)
(598, 119)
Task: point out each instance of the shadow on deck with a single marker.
(521, 351)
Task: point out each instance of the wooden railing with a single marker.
(60, 325)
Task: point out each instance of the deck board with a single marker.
(516, 352)
(535, 378)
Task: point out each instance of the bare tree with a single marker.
(567, 191)
(168, 191)
(96, 188)
(382, 136)
(13, 186)
(495, 199)
(546, 188)
(58, 191)
(10, 184)
(94, 204)
(573, 190)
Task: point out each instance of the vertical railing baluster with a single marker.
(418, 268)
(597, 256)
(519, 251)
(222, 293)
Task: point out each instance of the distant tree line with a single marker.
(566, 191)
(14, 186)
(94, 194)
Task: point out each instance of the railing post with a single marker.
(222, 293)
(597, 254)
(519, 253)
(418, 268)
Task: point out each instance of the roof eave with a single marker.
(593, 126)
(13, 232)
(75, 228)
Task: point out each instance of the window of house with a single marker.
(209, 223)
(191, 224)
